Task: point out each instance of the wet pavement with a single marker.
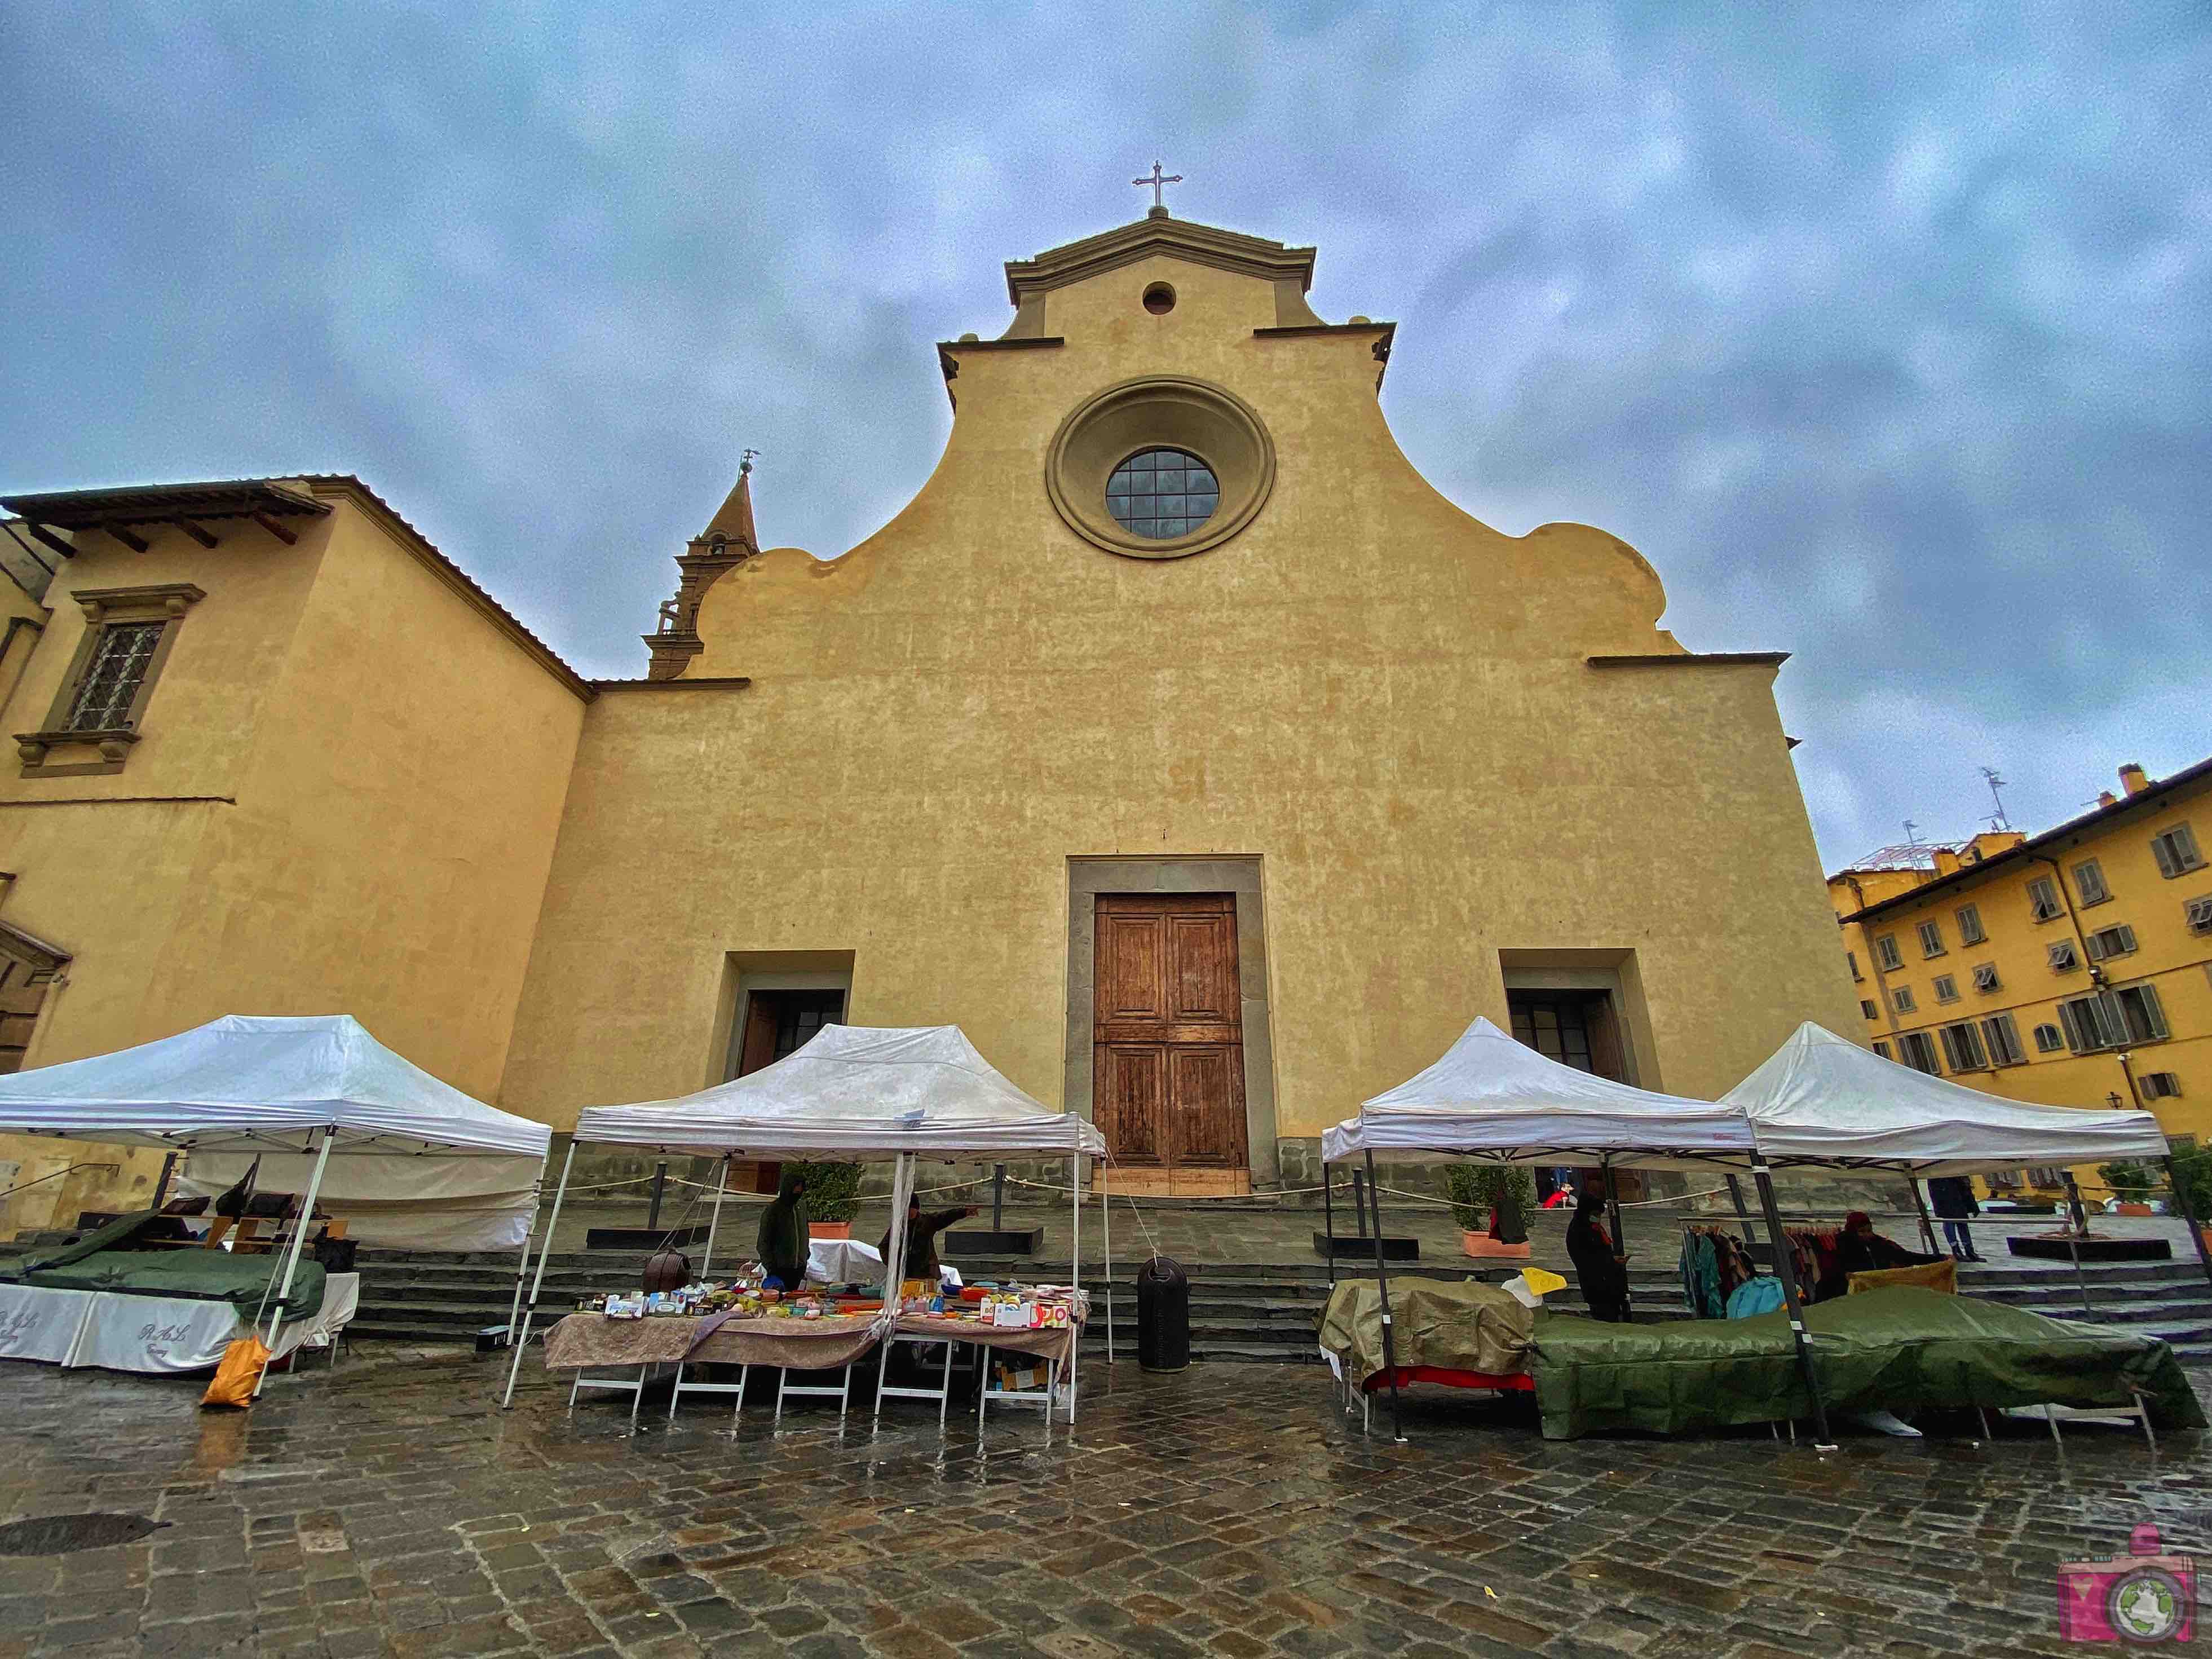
(389, 1508)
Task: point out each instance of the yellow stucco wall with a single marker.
(1385, 701)
(394, 767)
(2168, 956)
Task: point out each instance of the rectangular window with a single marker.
(2091, 1024)
(2162, 1085)
(1962, 1048)
(1985, 978)
(1852, 956)
(2049, 1039)
(2089, 882)
(2043, 898)
(1917, 1051)
(2062, 959)
(2112, 942)
(2003, 1037)
(2197, 913)
(1885, 951)
(113, 676)
(1868, 1009)
(2176, 852)
(1947, 989)
(1970, 925)
(2045, 1175)
(1882, 1048)
(1931, 938)
(2138, 1013)
(1901, 999)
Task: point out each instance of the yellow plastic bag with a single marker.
(238, 1375)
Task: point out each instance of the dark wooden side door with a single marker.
(1168, 1040)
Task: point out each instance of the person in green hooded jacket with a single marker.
(782, 1241)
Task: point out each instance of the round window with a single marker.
(1161, 494)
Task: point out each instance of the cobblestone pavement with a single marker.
(390, 1509)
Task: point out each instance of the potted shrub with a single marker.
(1492, 1203)
(2131, 1185)
(832, 1198)
(2193, 1170)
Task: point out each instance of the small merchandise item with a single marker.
(1011, 1315)
(625, 1307)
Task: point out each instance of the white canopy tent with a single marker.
(854, 1094)
(304, 1088)
(1493, 1099)
(1820, 1098)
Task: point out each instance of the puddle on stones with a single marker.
(65, 1535)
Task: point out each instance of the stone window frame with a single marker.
(165, 602)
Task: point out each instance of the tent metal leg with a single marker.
(1329, 1221)
(1106, 1233)
(521, 1277)
(2189, 1214)
(1620, 1239)
(1383, 1284)
(299, 1226)
(2076, 1224)
(1927, 1227)
(715, 1219)
(1787, 1271)
(1984, 1416)
(522, 1337)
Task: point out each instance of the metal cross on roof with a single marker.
(1156, 181)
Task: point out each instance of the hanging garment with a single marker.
(1755, 1296)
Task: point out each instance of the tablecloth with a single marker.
(584, 1339)
(152, 1334)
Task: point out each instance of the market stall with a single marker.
(1822, 1100)
(1492, 1099)
(901, 1095)
(318, 1090)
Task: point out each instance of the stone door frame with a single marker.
(1087, 877)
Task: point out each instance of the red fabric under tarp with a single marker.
(1515, 1381)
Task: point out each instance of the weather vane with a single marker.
(1156, 180)
(745, 460)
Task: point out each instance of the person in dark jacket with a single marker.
(782, 1241)
(922, 1228)
(1601, 1270)
(1952, 1197)
(1861, 1250)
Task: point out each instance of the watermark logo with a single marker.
(2140, 1597)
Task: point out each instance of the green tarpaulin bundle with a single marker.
(1901, 1349)
(1454, 1327)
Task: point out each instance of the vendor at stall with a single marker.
(922, 1228)
(1861, 1250)
(1601, 1270)
(782, 1242)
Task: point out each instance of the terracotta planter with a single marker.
(1483, 1245)
(828, 1230)
(2130, 1207)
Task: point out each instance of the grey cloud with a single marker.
(1883, 332)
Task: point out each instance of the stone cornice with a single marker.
(1125, 245)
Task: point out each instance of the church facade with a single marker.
(1178, 740)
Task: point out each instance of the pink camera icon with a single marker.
(2140, 1597)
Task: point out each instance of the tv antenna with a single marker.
(1995, 783)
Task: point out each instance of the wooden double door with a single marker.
(1168, 1040)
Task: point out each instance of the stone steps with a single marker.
(1240, 1312)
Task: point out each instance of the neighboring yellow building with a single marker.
(2072, 968)
(1178, 739)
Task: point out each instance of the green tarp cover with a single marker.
(1898, 1349)
(1461, 1327)
(93, 1263)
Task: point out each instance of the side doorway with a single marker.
(772, 1024)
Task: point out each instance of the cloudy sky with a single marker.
(1885, 332)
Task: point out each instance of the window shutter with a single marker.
(2153, 1016)
(2127, 938)
(2162, 846)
